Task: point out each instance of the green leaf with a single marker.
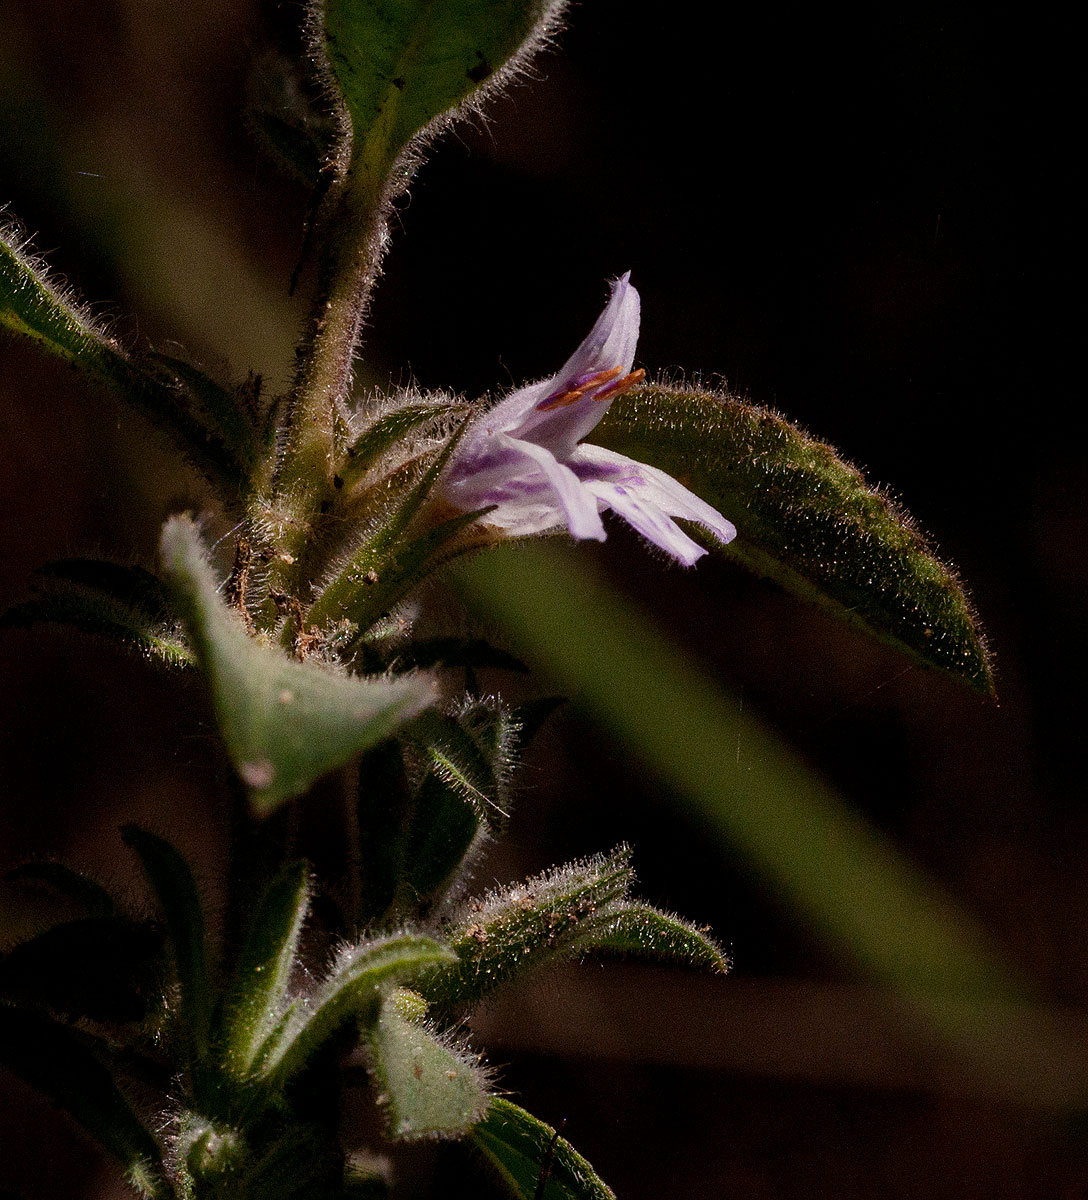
(427, 1088)
(400, 65)
(352, 992)
(391, 561)
(33, 307)
(175, 890)
(106, 968)
(370, 446)
(285, 723)
(633, 928)
(524, 1152)
(515, 929)
(52, 1059)
(258, 1002)
(806, 519)
(123, 603)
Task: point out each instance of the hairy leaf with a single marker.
(123, 603)
(34, 307)
(391, 561)
(806, 519)
(351, 992)
(258, 1001)
(633, 928)
(400, 65)
(532, 1160)
(427, 1088)
(54, 1060)
(176, 893)
(515, 929)
(387, 430)
(285, 723)
(90, 897)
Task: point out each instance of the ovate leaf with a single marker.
(532, 1160)
(400, 65)
(285, 723)
(427, 1088)
(806, 519)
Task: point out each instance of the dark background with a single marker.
(869, 223)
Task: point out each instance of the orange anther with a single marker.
(621, 385)
(573, 395)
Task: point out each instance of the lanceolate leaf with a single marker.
(391, 561)
(285, 723)
(264, 969)
(517, 928)
(52, 1059)
(639, 929)
(90, 897)
(400, 65)
(123, 603)
(33, 307)
(427, 1088)
(176, 893)
(352, 991)
(526, 1154)
(389, 429)
(806, 519)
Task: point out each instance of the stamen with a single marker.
(571, 395)
(621, 385)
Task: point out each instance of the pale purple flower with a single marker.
(526, 455)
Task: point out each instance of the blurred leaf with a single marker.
(176, 893)
(351, 992)
(633, 928)
(258, 1001)
(515, 929)
(455, 652)
(52, 1059)
(286, 122)
(123, 603)
(848, 881)
(399, 66)
(427, 1089)
(806, 519)
(105, 968)
(33, 307)
(285, 723)
(523, 1151)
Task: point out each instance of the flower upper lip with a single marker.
(525, 456)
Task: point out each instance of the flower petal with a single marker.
(610, 344)
(647, 499)
(532, 490)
